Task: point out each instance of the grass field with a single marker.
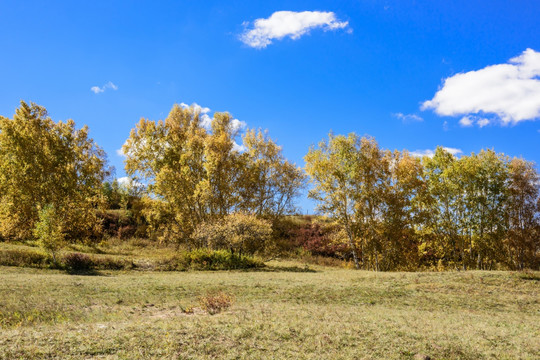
(286, 311)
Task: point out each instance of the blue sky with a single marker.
(413, 74)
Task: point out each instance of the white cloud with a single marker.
(239, 148)
(197, 107)
(120, 152)
(238, 125)
(290, 24)
(466, 121)
(470, 120)
(124, 180)
(128, 182)
(406, 118)
(206, 120)
(482, 122)
(510, 91)
(430, 153)
(109, 85)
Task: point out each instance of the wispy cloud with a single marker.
(470, 120)
(408, 118)
(466, 121)
(430, 152)
(482, 122)
(510, 91)
(109, 85)
(290, 24)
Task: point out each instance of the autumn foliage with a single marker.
(401, 212)
(192, 185)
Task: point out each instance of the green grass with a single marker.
(129, 255)
(284, 311)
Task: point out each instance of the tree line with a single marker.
(398, 211)
(193, 186)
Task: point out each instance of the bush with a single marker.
(49, 230)
(216, 303)
(83, 262)
(24, 258)
(112, 263)
(317, 239)
(78, 262)
(236, 232)
(205, 259)
(121, 224)
(127, 231)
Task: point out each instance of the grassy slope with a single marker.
(330, 313)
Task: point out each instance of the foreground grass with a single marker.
(327, 313)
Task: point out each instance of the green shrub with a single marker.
(48, 230)
(25, 258)
(206, 259)
(112, 263)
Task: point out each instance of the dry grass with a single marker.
(297, 314)
(214, 303)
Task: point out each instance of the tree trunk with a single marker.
(353, 249)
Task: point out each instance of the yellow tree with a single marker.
(444, 220)
(371, 176)
(223, 167)
(270, 183)
(347, 174)
(168, 156)
(196, 175)
(482, 179)
(522, 242)
(404, 211)
(44, 164)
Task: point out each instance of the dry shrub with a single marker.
(77, 262)
(320, 240)
(216, 303)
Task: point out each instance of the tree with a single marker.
(482, 178)
(168, 156)
(347, 175)
(271, 183)
(522, 242)
(43, 163)
(444, 219)
(404, 211)
(49, 230)
(195, 174)
(223, 167)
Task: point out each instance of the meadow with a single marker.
(286, 310)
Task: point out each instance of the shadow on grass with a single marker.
(529, 276)
(295, 269)
(88, 272)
